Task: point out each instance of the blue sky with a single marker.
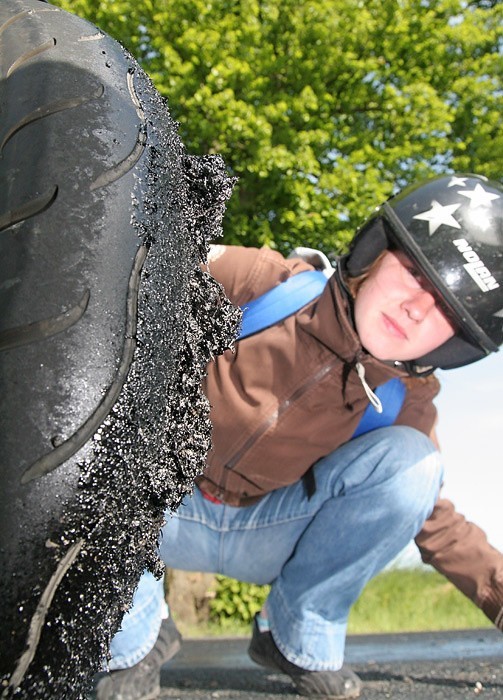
(470, 430)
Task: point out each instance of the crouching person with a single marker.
(296, 492)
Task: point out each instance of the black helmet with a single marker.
(452, 228)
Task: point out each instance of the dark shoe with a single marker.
(142, 681)
(336, 685)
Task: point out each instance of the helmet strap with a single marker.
(368, 244)
(455, 352)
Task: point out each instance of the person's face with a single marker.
(396, 315)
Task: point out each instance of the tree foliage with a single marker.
(322, 108)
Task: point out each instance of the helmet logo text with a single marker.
(475, 267)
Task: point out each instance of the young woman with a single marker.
(288, 496)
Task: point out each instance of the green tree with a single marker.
(322, 108)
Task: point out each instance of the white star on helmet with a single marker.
(456, 181)
(438, 215)
(479, 197)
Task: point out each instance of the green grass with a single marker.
(413, 600)
(407, 600)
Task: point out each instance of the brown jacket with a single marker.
(286, 397)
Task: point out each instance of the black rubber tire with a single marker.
(99, 259)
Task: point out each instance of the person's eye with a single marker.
(415, 273)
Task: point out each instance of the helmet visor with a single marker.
(398, 235)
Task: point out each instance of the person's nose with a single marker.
(419, 304)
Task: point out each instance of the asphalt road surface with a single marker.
(420, 666)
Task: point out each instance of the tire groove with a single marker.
(91, 37)
(119, 170)
(41, 48)
(134, 96)
(38, 619)
(15, 18)
(31, 208)
(53, 108)
(68, 448)
(46, 328)
(26, 13)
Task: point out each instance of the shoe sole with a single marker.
(263, 661)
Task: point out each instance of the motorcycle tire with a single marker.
(106, 325)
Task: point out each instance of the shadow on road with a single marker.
(439, 666)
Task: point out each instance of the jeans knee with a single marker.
(402, 440)
(397, 467)
(417, 486)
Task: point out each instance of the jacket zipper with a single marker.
(282, 408)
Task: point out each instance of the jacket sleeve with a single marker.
(459, 550)
(246, 273)
(418, 409)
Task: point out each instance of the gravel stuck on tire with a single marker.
(107, 323)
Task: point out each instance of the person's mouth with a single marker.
(394, 328)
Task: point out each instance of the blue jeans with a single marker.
(372, 497)
(141, 625)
